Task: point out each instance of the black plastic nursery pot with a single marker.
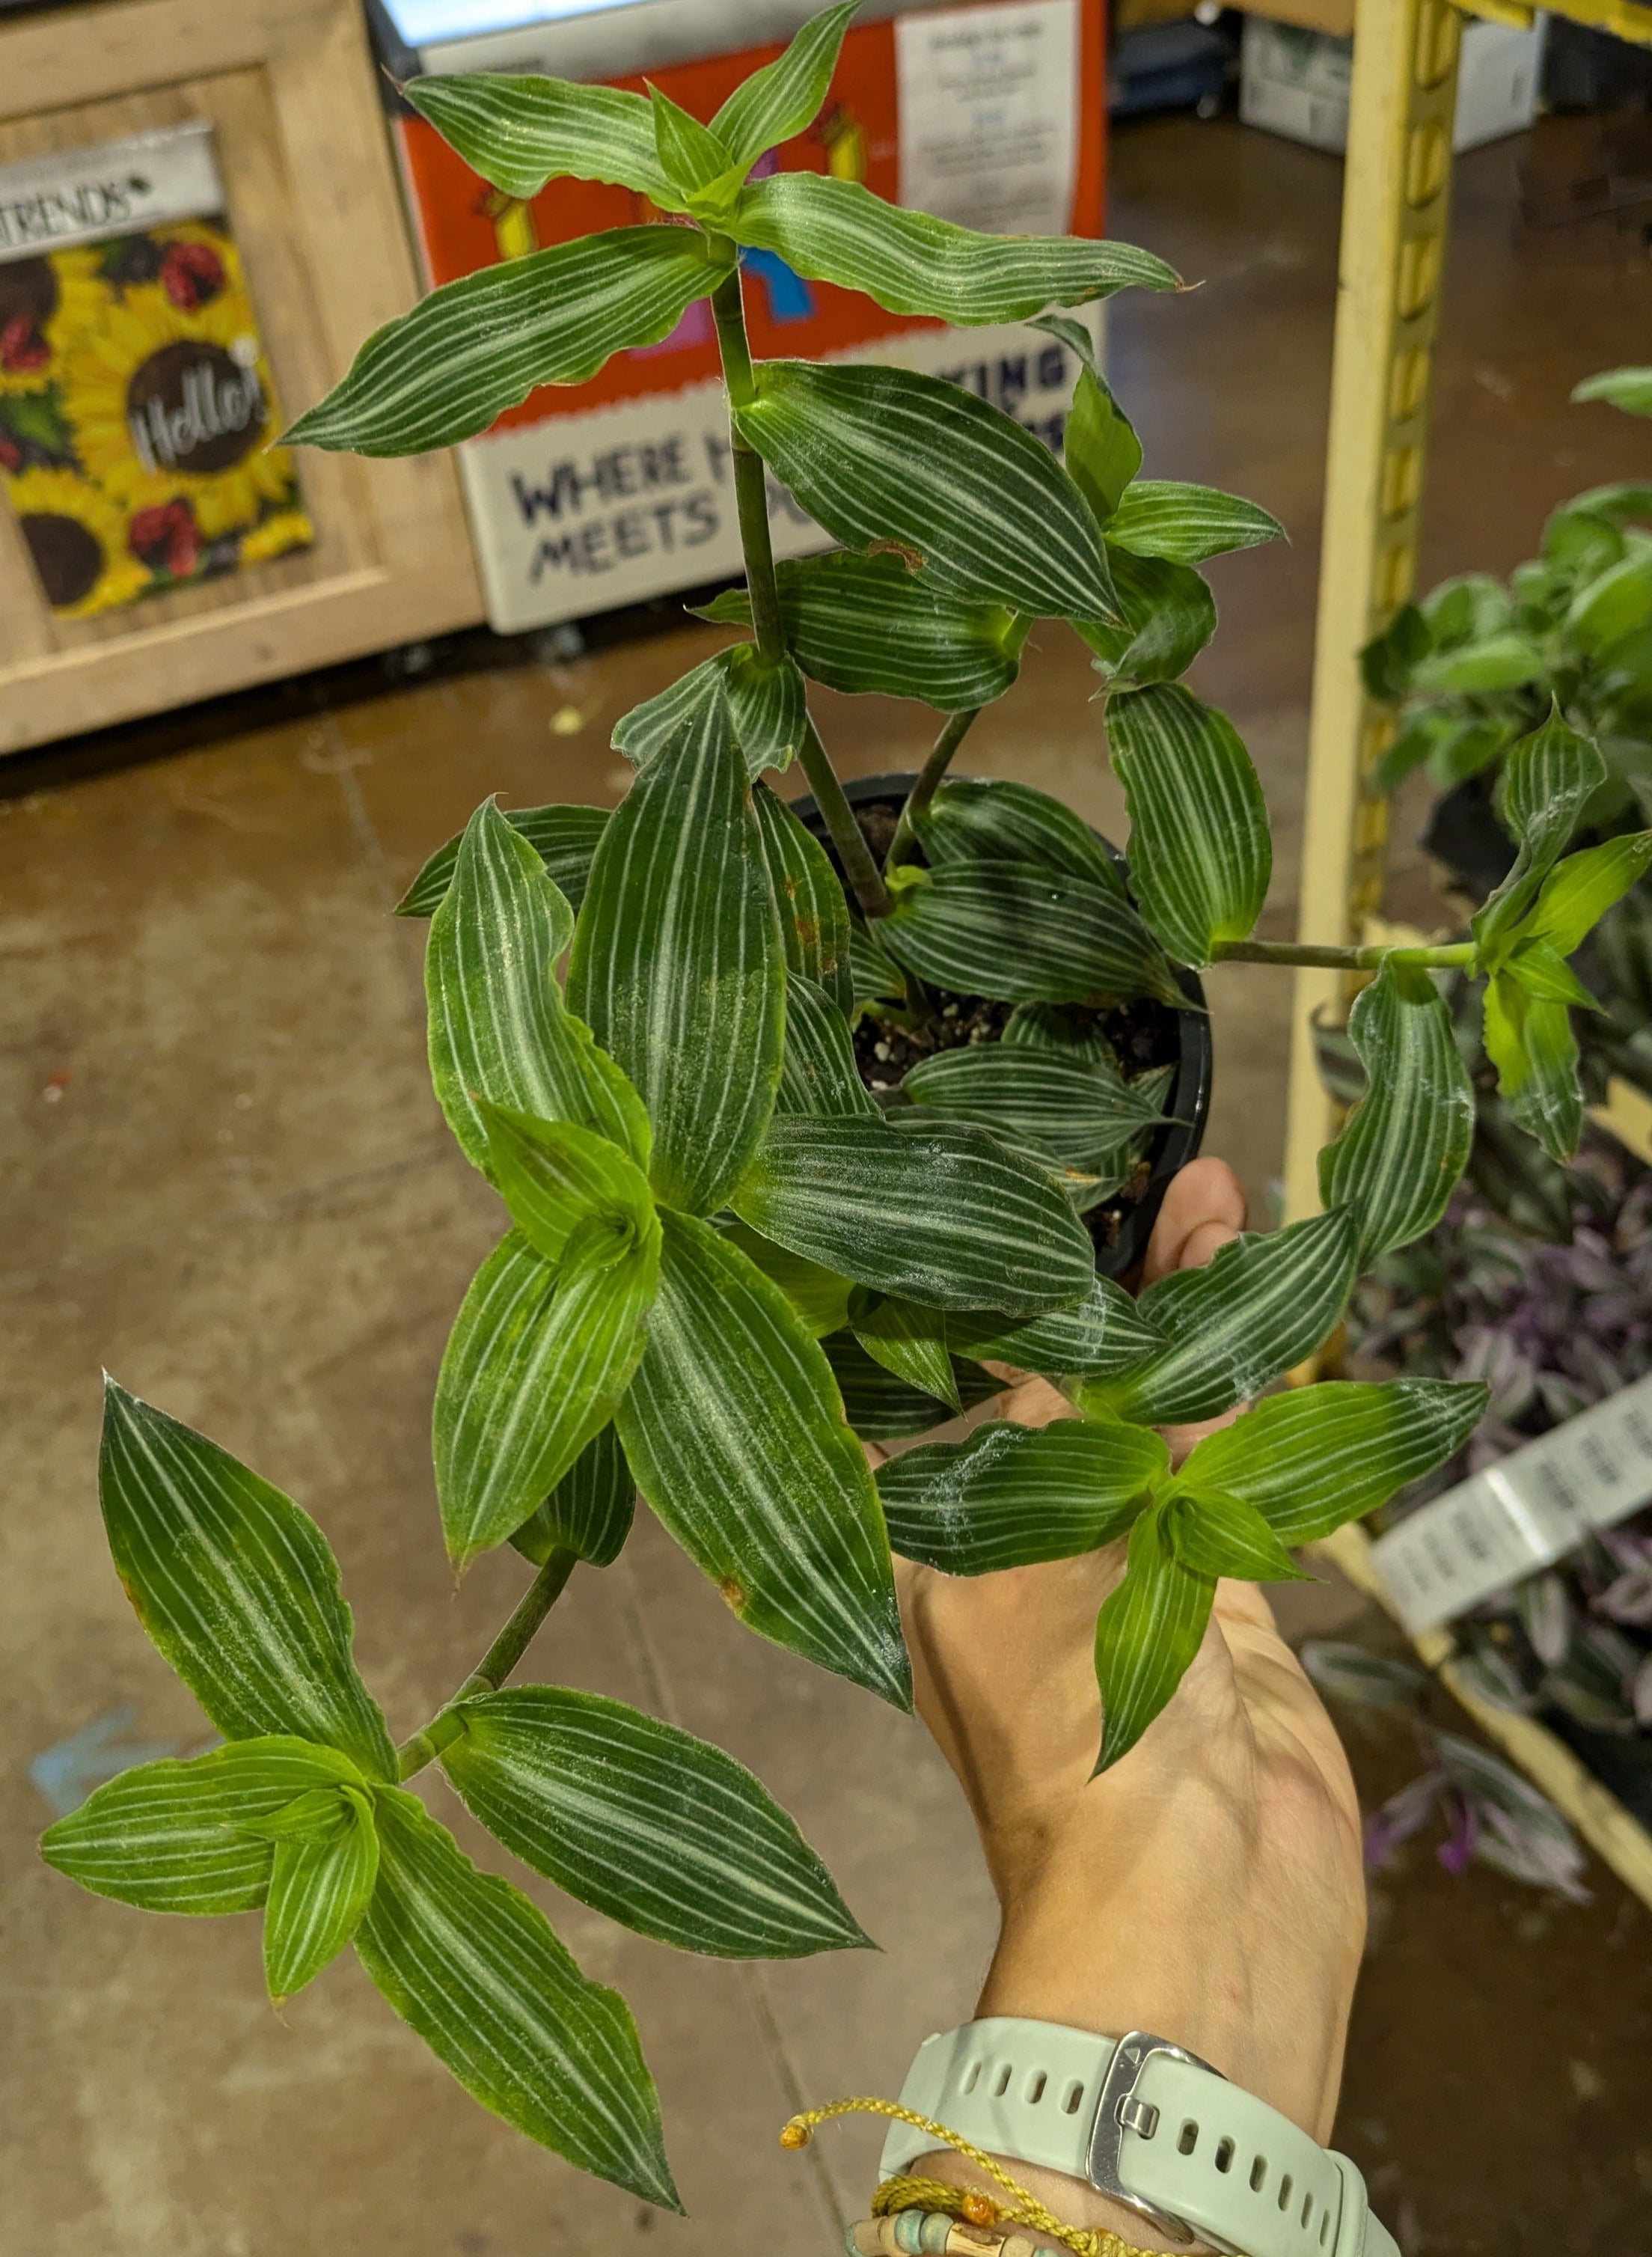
(1122, 1226)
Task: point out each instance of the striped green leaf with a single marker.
(1099, 445)
(1169, 613)
(883, 455)
(475, 347)
(661, 1831)
(1264, 1303)
(1103, 1333)
(1185, 524)
(1314, 1458)
(814, 925)
(1629, 388)
(678, 965)
(945, 1215)
(554, 1177)
(1579, 890)
(1146, 1634)
(909, 262)
(1530, 1041)
(734, 1430)
(589, 1512)
(765, 698)
(174, 1837)
(1201, 854)
(1215, 1533)
(911, 1342)
(881, 1408)
(235, 1586)
(780, 101)
(1012, 1496)
(519, 132)
(818, 1295)
(1071, 1034)
(870, 624)
(874, 971)
(696, 161)
(320, 1884)
(1397, 1162)
(498, 1028)
(818, 1074)
(1025, 935)
(476, 1968)
(1077, 1114)
(1545, 784)
(992, 819)
(563, 838)
(540, 1354)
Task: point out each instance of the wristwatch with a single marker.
(1142, 2121)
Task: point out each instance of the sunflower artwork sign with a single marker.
(137, 406)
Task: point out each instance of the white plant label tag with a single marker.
(988, 114)
(1522, 1514)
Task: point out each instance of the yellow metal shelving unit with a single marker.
(1396, 205)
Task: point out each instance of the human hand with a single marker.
(1210, 1887)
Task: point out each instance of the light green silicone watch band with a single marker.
(1142, 2121)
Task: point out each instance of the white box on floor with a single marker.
(1295, 83)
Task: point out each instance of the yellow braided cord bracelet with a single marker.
(936, 2195)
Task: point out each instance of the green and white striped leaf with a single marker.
(693, 159)
(1146, 1634)
(564, 839)
(1260, 1306)
(943, 1215)
(992, 819)
(498, 1028)
(1099, 445)
(909, 262)
(818, 1074)
(1546, 783)
(320, 1884)
(1012, 1496)
(1397, 1162)
(1201, 854)
(780, 101)
(476, 1968)
(678, 965)
(1169, 615)
(814, 923)
(1216, 1534)
(235, 1586)
(661, 1831)
(1184, 524)
(733, 1427)
(870, 624)
(1037, 1101)
(1070, 1035)
(911, 1342)
(875, 974)
(589, 1512)
(1024, 934)
(767, 700)
(1629, 388)
(881, 1408)
(173, 1836)
(519, 132)
(540, 1354)
(1313, 1458)
(1103, 1333)
(475, 347)
(883, 455)
(1529, 1040)
(555, 1178)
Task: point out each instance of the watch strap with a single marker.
(1174, 2137)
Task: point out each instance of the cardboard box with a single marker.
(1295, 82)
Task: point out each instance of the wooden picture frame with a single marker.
(289, 88)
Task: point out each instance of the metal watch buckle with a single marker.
(1120, 2109)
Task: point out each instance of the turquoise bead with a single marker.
(933, 2237)
(852, 2247)
(910, 2232)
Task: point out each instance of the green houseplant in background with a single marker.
(721, 1234)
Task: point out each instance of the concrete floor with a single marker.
(233, 1189)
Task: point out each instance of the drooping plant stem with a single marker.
(751, 500)
(495, 1665)
(929, 778)
(1339, 959)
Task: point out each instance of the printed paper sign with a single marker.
(1525, 1512)
(989, 126)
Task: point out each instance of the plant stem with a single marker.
(929, 776)
(751, 500)
(495, 1665)
(1343, 959)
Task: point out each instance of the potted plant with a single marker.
(713, 1212)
